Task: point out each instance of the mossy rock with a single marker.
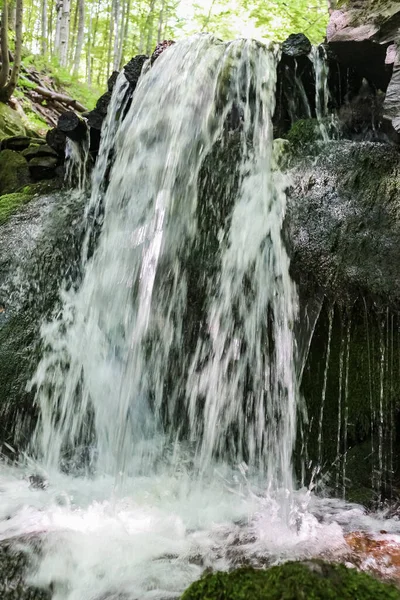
(313, 580)
(304, 132)
(14, 171)
(10, 122)
(10, 203)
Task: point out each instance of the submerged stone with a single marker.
(315, 580)
(297, 44)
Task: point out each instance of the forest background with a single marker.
(83, 41)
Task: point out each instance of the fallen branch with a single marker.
(60, 98)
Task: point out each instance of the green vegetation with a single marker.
(313, 580)
(11, 203)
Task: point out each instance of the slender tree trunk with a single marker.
(150, 22)
(116, 31)
(81, 33)
(5, 60)
(59, 8)
(50, 28)
(44, 28)
(110, 38)
(125, 32)
(160, 22)
(12, 84)
(89, 51)
(118, 60)
(12, 15)
(64, 32)
(73, 31)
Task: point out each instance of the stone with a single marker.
(10, 122)
(133, 69)
(112, 80)
(15, 565)
(39, 151)
(391, 105)
(14, 171)
(297, 44)
(160, 48)
(43, 167)
(16, 143)
(368, 20)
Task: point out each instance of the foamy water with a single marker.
(157, 537)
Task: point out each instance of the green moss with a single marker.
(10, 122)
(11, 203)
(313, 580)
(303, 132)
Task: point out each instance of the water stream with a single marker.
(168, 393)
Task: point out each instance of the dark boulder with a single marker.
(112, 81)
(56, 139)
(133, 69)
(17, 561)
(43, 167)
(102, 104)
(160, 48)
(297, 44)
(73, 126)
(16, 143)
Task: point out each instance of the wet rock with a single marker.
(102, 104)
(344, 228)
(297, 44)
(17, 559)
(310, 579)
(56, 139)
(14, 171)
(133, 69)
(38, 482)
(112, 80)
(391, 104)
(73, 126)
(160, 48)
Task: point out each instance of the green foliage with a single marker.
(313, 580)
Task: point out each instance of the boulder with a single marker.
(10, 122)
(43, 167)
(391, 105)
(343, 221)
(39, 151)
(14, 171)
(293, 580)
(133, 69)
(367, 20)
(16, 563)
(56, 139)
(297, 44)
(160, 48)
(16, 143)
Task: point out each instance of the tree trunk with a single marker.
(89, 51)
(125, 32)
(160, 22)
(11, 85)
(5, 61)
(150, 21)
(59, 7)
(81, 33)
(110, 38)
(64, 32)
(116, 34)
(44, 28)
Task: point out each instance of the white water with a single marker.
(211, 483)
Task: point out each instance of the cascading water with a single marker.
(167, 390)
(236, 393)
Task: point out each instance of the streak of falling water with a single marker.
(324, 387)
(321, 69)
(76, 163)
(340, 410)
(104, 377)
(346, 403)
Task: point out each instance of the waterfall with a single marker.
(135, 367)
